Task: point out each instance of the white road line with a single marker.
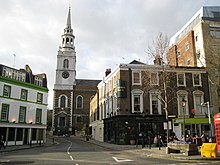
(71, 157)
(68, 150)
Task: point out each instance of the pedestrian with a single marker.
(2, 142)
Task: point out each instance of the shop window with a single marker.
(19, 134)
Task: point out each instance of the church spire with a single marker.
(68, 23)
(68, 37)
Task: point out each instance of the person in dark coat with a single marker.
(2, 142)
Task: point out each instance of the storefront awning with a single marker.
(191, 120)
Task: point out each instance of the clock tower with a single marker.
(66, 60)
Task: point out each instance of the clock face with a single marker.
(65, 74)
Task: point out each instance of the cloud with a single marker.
(105, 31)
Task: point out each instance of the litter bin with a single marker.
(209, 150)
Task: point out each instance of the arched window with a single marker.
(67, 41)
(66, 63)
(79, 102)
(63, 102)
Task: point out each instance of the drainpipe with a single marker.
(130, 83)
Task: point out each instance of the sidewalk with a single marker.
(22, 147)
(150, 152)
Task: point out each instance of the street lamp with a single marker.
(209, 116)
(184, 106)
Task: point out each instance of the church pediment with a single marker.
(62, 114)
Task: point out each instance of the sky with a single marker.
(108, 32)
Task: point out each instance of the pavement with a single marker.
(155, 152)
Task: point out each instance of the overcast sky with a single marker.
(108, 32)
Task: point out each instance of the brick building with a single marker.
(197, 44)
(130, 101)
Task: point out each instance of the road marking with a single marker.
(71, 157)
(121, 159)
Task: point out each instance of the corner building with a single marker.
(23, 106)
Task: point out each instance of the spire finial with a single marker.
(68, 23)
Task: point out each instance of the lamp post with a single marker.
(184, 106)
(209, 116)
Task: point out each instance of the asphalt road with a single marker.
(74, 151)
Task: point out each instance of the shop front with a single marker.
(193, 126)
(127, 129)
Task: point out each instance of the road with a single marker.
(74, 151)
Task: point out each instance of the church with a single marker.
(71, 100)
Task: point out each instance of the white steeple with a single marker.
(68, 37)
(66, 59)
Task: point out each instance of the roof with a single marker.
(87, 82)
(136, 62)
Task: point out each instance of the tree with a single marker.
(158, 49)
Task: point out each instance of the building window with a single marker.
(5, 112)
(39, 98)
(155, 104)
(198, 100)
(22, 115)
(178, 53)
(38, 116)
(66, 63)
(114, 82)
(7, 91)
(196, 38)
(181, 79)
(180, 96)
(187, 46)
(78, 119)
(63, 102)
(137, 101)
(24, 94)
(188, 62)
(197, 79)
(154, 79)
(38, 81)
(79, 102)
(136, 78)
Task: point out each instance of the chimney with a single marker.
(107, 72)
